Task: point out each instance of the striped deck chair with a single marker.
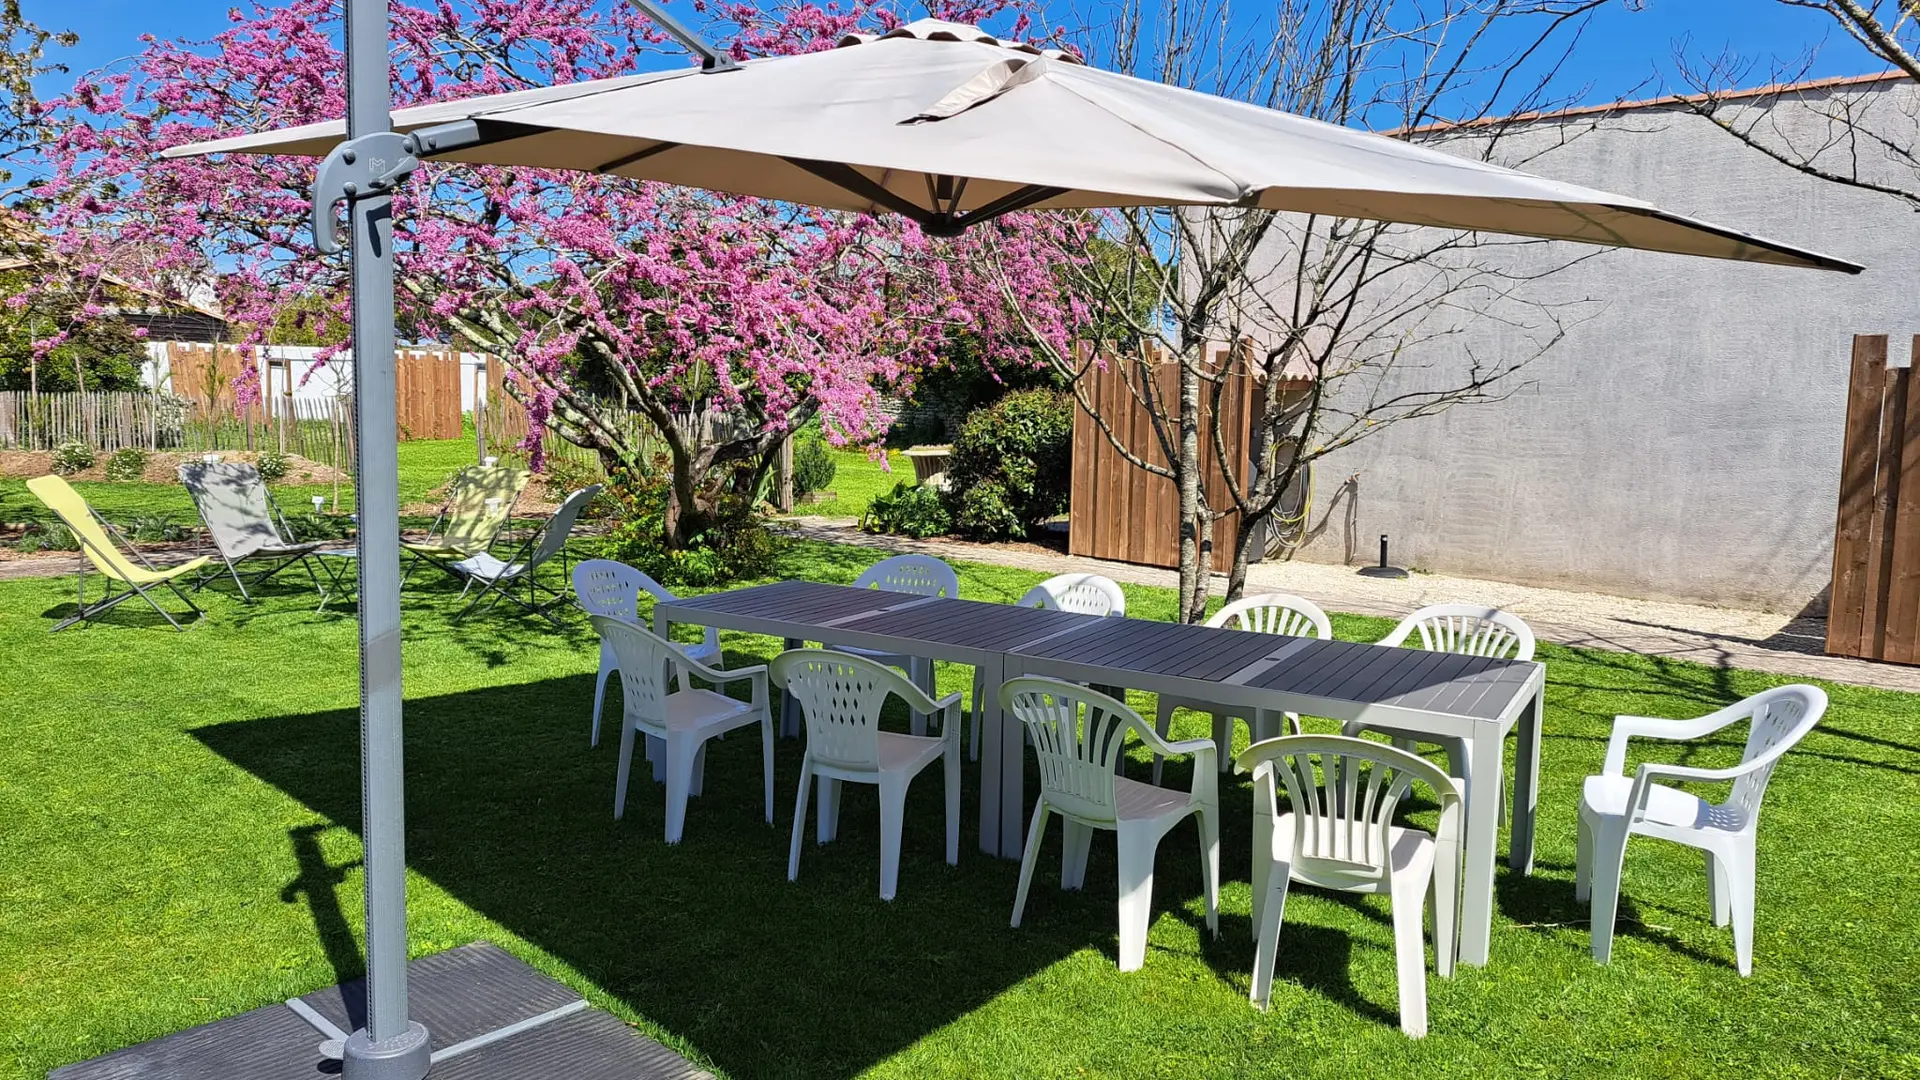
(97, 544)
(479, 502)
(499, 577)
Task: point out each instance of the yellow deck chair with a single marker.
(479, 502)
(97, 543)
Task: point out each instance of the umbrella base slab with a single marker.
(463, 996)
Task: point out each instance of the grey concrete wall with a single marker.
(1682, 443)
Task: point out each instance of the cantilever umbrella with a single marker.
(942, 123)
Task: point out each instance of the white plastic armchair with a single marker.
(678, 723)
(918, 575)
(1267, 613)
(1470, 630)
(1614, 806)
(1338, 833)
(841, 697)
(1078, 737)
(1085, 594)
(605, 587)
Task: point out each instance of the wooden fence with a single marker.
(1119, 510)
(1875, 605)
(317, 429)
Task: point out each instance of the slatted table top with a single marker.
(1470, 686)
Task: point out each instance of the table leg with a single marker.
(789, 705)
(1526, 782)
(1483, 821)
(987, 715)
(1013, 761)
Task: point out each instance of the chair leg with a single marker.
(626, 767)
(952, 757)
(1163, 720)
(683, 760)
(766, 757)
(920, 674)
(1136, 851)
(1266, 931)
(799, 818)
(1076, 842)
(656, 751)
(1223, 741)
(1410, 952)
(599, 699)
(1444, 895)
(1740, 889)
(1718, 898)
(1029, 859)
(1608, 853)
(697, 779)
(893, 821)
(826, 824)
(1208, 821)
(1583, 861)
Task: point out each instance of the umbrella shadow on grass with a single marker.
(510, 813)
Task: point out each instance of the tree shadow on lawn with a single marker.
(510, 812)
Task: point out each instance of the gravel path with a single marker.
(1719, 637)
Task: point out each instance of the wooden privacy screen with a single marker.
(427, 390)
(1120, 511)
(1875, 608)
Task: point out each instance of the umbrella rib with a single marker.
(1017, 199)
(638, 155)
(848, 178)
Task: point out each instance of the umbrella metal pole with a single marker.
(391, 1046)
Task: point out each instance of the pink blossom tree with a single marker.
(618, 306)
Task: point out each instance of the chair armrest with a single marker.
(950, 713)
(1188, 746)
(718, 675)
(1648, 727)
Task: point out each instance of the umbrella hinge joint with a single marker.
(373, 165)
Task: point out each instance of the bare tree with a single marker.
(1865, 141)
(1326, 315)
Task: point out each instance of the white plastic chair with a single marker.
(1456, 628)
(920, 575)
(605, 587)
(1086, 594)
(1614, 806)
(1338, 833)
(1267, 613)
(1078, 737)
(841, 697)
(679, 721)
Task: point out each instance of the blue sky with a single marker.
(1622, 53)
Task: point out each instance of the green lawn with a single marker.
(177, 844)
(857, 478)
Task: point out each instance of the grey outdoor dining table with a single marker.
(1479, 699)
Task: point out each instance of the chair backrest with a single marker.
(73, 510)
(1078, 736)
(1342, 793)
(1088, 594)
(1275, 613)
(553, 535)
(841, 696)
(232, 500)
(646, 664)
(606, 587)
(479, 503)
(1782, 717)
(921, 575)
(1468, 629)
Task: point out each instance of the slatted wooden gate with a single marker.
(1875, 606)
(1120, 511)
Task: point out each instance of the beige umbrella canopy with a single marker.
(949, 126)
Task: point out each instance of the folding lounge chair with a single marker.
(523, 566)
(479, 503)
(245, 523)
(95, 543)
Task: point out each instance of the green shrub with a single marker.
(735, 545)
(127, 463)
(562, 476)
(311, 526)
(908, 510)
(71, 457)
(1012, 465)
(47, 536)
(813, 465)
(272, 464)
(153, 528)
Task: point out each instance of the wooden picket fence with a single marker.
(1874, 610)
(319, 429)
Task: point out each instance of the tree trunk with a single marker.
(1194, 583)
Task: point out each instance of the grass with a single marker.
(177, 844)
(857, 479)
